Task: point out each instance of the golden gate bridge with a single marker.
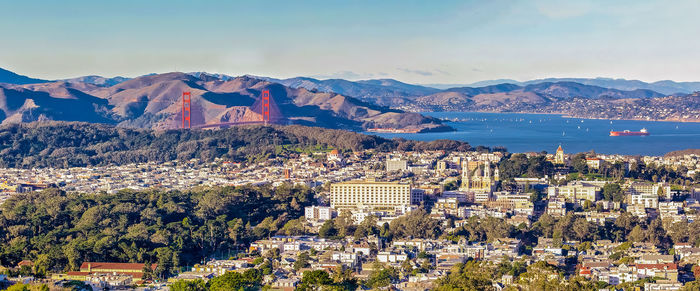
(264, 106)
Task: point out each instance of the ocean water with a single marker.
(545, 132)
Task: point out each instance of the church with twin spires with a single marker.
(479, 176)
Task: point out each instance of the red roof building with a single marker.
(130, 269)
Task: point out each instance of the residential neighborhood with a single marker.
(373, 191)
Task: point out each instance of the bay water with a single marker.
(545, 132)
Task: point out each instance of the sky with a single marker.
(424, 42)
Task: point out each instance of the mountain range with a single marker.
(666, 87)
(154, 100)
(395, 94)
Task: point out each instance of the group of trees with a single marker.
(520, 165)
(68, 144)
(487, 229)
(61, 144)
(613, 192)
(626, 227)
(481, 275)
(58, 231)
(416, 224)
(570, 227)
(657, 173)
(341, 279)
(248, 280)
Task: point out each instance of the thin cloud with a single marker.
(347, 75)
(417, 72)
(443, 72)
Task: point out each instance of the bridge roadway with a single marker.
(210, 125)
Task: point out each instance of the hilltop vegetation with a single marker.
(64, 144)
(58, 231)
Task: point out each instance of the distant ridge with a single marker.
(683, 153)
(13, 78)
(385, 92)
(666, 87)
(98, 80)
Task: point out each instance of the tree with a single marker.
(328, 230)
(406, 267)
(381, 276)
(189, 285)
(314, 280)
(367, 227)
(385, 231)
(251, 279)
(679, 232)
(147, 272)
(613, 192)
(584, 230)
(294, 227)
(472, 275)
(416, 224)
(579, 163)
(545, 225)
(656, 234)
(18, 287)
(452, 185)
(345, 224)
(302, 261)
(343, 277)
(637, 234)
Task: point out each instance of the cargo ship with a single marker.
(642, 132)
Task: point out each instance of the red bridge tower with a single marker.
(266, 106)
(186, 109)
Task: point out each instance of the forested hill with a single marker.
(71, 144)
(58, 231)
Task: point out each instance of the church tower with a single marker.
(559, 156)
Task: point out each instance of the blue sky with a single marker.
(413, 41)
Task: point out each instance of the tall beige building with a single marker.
(370, 194)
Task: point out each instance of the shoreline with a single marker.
(566, 115)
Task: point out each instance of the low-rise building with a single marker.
(319, 213)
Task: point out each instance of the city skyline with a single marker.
(445, 42)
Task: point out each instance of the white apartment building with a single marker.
(644, 200)
(396, 165)
(480, 197)
(670, 208)
(389, 257)
(647, 191)
(576, 191)
(319, 213)
(461, 196)
(370, 194)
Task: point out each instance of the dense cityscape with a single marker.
(409, 220)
